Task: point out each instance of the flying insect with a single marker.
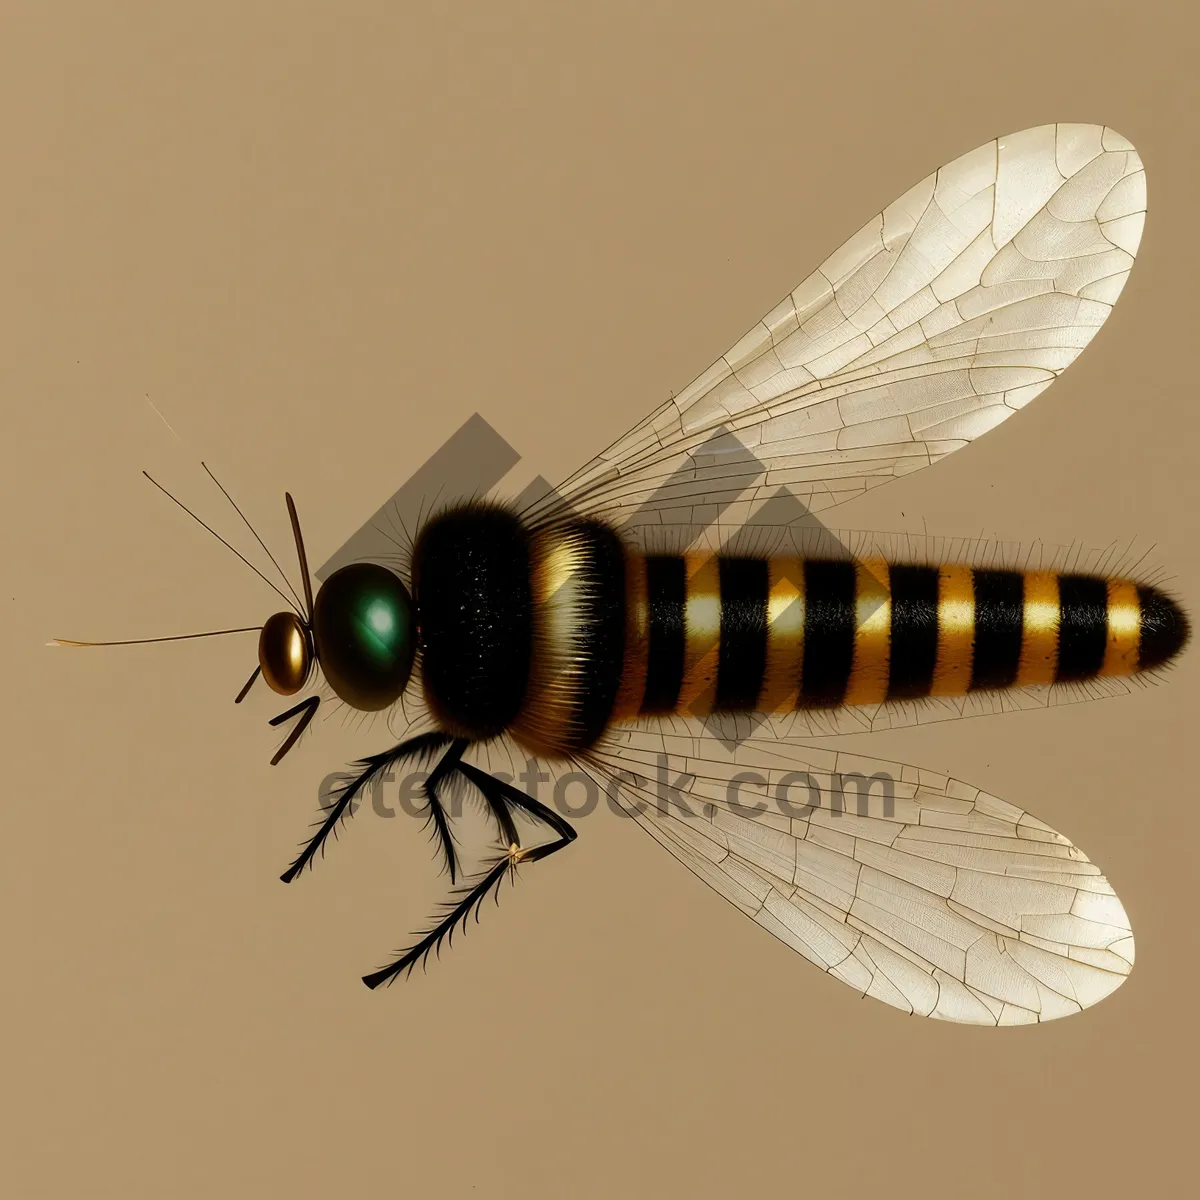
(607, 626)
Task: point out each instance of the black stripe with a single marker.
(473, 594)
(914, 631)
(742, 654)
(999, 625)
(1082, 626)
(1163, 629)
(666, 595)
(829, 591)
(601, 628)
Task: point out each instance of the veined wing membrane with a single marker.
(941, 317)
(953, 904)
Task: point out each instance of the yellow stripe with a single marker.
(1039, 637)
(868, 682)
(956, 632)
(637, 640)
(1124, 629)
(702, 627)
(557, 678)
(785, 635)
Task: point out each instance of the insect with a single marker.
(597, 627)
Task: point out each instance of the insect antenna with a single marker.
(290, 603)
(305, 581)
(179, 637)
(246, 522)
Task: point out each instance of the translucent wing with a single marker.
(942, 316)
(787, 727)
(948, 902)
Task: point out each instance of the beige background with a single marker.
(319, 237)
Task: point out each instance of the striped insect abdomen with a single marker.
(707, 633)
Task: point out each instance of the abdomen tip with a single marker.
(1165, 629)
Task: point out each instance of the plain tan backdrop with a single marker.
(318, 237)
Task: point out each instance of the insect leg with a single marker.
(499, 809)
(307, 707)
(497, 792)
(372, 767)
(471, 900)
(447, 764)
(501, 798)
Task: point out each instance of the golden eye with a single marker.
(284, 653)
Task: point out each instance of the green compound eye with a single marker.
(365, 631)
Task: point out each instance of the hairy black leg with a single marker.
(447, 764)
(424, 743)
(499, 809)
(496, 791)
(308, 708)
(500, 797)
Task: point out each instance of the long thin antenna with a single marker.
(246, 522)
(304, 579)
(223, 542)
(179, 637)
